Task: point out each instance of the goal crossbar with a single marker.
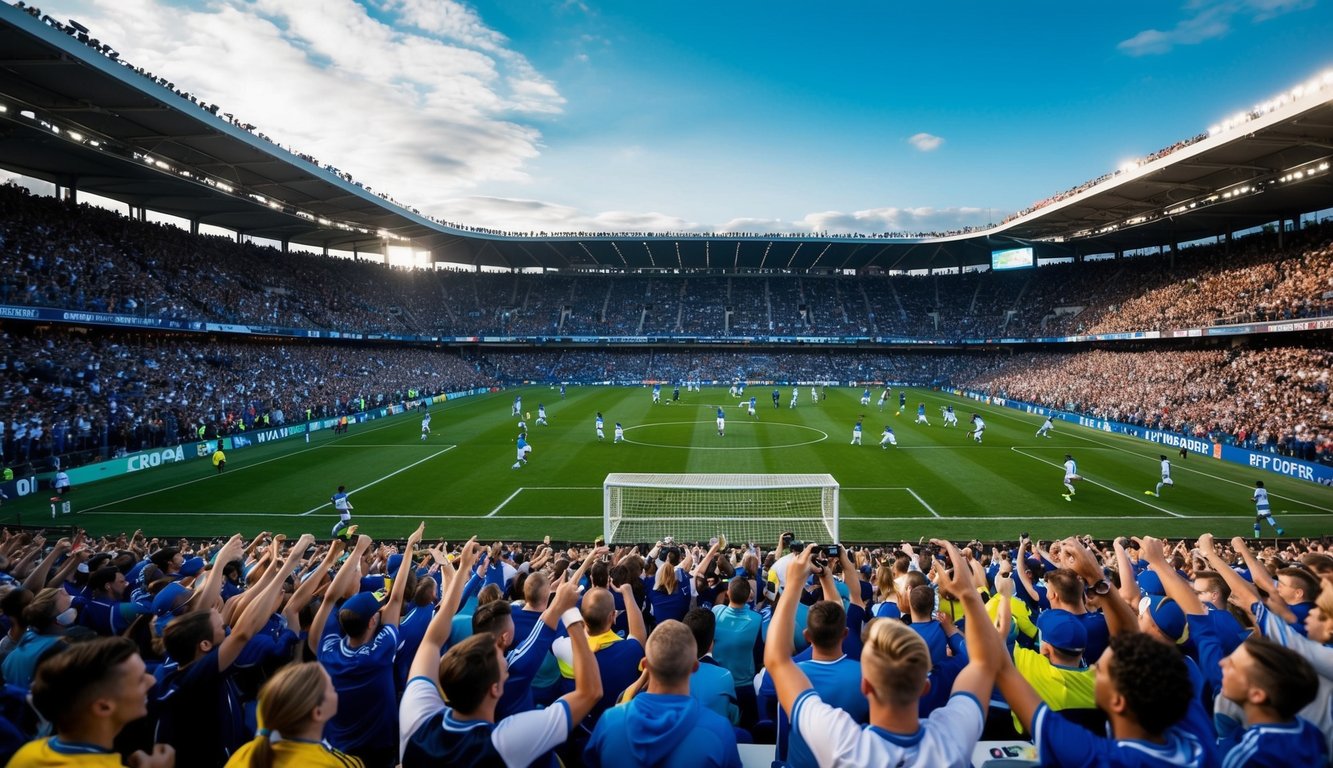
(646, 507)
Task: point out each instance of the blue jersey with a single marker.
(599, 422)
(921, 409)
(865, 394)
(857, 428)
(720, 414)
(753, 401)
(522, 443)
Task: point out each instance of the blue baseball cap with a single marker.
(1062, 630)
(1168, 617)
(165, 601)
(364, 604)
(391, 568)
(191, 566)
(1151, 584)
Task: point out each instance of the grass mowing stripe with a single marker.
(922, 518)
(382, 479)
(1102, 485)
(1009, 413)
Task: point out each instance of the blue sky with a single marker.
(766, 116)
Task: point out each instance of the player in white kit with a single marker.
(1071, 474)
(1166, 477)
(887, 438)
(1046, 427)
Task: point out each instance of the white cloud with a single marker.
(423, 108)
(909, 220)
(926, 142)
(1208, 19)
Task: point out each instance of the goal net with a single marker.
(644, 508)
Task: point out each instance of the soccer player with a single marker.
(814, 396)
(343, 506)
(950, 418)
(601, 433)
(1166, 476)
(733, 392)
(902, 400)
(883, 397)
(675, 394)
(795, 392)
(425, 426)
(518, 406)
(721, 422)
(657, 394)
(978, 427)
(620, 434)
(541, 415)
(887, 438)
(219, 458)
(753, 403)
(562, 391)
(1045, 429)
(865, 397)
(522, 424)
(523, 449)
(777, 396)
(1262, 510)
(921, 414)
(856, 433)
(1071, 474)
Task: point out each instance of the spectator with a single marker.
(665, 727)
(88, 693)
(294, 706)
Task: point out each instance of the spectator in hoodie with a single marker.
(665, 727)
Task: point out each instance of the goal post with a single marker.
(643, 508)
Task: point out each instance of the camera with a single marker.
(1023, 536)
(833, 550)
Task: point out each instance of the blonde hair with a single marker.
(666, 579)
(884, 583)
(286, 702)
(895, 661)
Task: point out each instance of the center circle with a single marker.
(733, 427)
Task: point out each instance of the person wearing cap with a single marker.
(1142, 685)
(664, 726)
(1270, 684)
(357, 646)
(190, 566)
(471, 678)
(89, 693)
(1056, 670)
(198, 703)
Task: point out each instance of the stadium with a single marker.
(1144, 354)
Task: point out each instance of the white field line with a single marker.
(1010, 413)
(929, 508)
(332, 444)
(1100, 485)
(599, 517)
(501, 505)
(382, 479)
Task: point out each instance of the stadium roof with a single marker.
(78, 118)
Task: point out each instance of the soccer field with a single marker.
(937, 482)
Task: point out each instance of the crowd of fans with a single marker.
(1274, 399)
(270, 652)
(82, 396)
(76, 257)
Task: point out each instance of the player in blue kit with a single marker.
(856, 433)
(921, 414)
(721, 422)
(865, 397)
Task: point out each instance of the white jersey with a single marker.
(946, 738)
(1261, 500)
(978, 424)
(1166, 471)
(887, 437)
(1071, 469)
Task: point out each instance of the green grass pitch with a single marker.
(937, 482)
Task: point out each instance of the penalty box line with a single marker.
(523, 488)
(915, 495)
(380, 480)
